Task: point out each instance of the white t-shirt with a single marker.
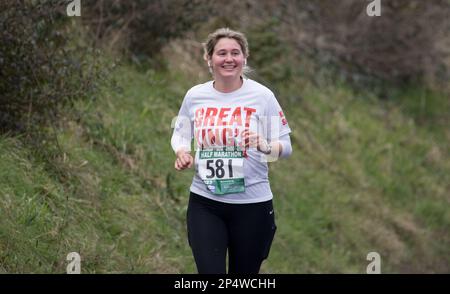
(215, 119)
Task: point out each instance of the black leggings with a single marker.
(246, 230)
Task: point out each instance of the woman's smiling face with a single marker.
(227, 59)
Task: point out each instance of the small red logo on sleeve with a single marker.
(283, 118)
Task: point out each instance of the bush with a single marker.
(41, 69)
(406, 43)
(269, 54)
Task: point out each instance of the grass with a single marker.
(366, 175)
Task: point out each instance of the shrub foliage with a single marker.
(41, 67)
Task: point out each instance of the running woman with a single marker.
(238, 127)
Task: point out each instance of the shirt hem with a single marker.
(237, 201)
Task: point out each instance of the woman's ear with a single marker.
(209, 63)
(245, 61)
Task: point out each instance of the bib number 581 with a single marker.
(218, 170)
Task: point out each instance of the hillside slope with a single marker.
(365, 175)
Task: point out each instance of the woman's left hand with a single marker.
(253, 140)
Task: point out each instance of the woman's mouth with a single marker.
(229, 66)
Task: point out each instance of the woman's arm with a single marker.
(281, 148)
(182, 137)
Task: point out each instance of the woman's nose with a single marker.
(228, 57)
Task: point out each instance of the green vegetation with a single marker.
(364, 176)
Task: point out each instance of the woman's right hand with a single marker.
(184, 160)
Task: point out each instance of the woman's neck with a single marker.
(227, 86)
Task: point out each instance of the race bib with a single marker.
(222, 169)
